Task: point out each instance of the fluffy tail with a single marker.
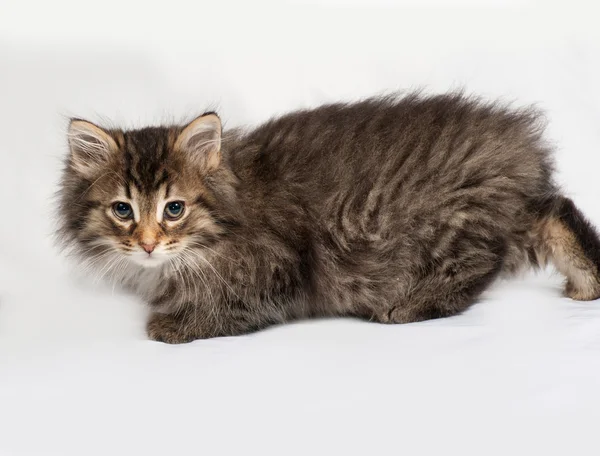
(570, 242)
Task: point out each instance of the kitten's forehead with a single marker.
(147, 157)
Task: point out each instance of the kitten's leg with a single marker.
(451, 286)
(172, 328)
(572, 244)
(192, 323)
(438, 299)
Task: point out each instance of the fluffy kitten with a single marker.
(391, 209)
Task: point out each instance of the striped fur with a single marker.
(394, 209)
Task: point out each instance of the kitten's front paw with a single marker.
(590, 293)
(168, 328)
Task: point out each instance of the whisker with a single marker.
(199, 244)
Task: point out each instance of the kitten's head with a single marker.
(142, 195)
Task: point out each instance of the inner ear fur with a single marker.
(200, 140)
(91, 147)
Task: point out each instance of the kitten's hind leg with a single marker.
(451, 286)
(572, 244)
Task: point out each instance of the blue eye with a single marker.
(174, 210)
(123, 210)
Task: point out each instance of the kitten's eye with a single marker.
(123, 210)
(174, 210)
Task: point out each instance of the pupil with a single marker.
(174, 207)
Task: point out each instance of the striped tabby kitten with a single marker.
(394, 210)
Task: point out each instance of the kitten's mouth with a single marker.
(148, 260)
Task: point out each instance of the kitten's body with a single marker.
(393, 210)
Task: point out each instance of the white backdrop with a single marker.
(518, 372)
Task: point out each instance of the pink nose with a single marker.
(149, 248)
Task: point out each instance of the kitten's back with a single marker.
(444, 191)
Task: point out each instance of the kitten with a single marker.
(395, 210)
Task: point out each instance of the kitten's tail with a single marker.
(567, 239)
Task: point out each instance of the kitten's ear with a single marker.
(91, 147)
(201, 141)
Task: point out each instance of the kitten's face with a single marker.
(149, 227)
(141, 196)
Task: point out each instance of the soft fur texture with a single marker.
(395, 210)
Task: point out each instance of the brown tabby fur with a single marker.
(395, 210)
